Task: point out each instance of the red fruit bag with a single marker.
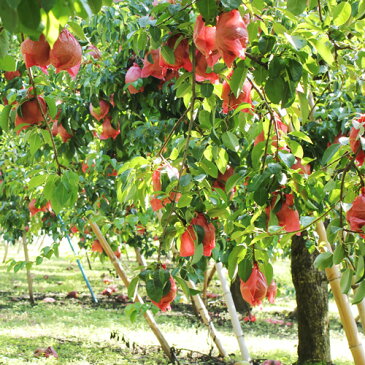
(356, 215)
(255, 288)
(187, 245)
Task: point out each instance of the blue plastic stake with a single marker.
(79, 264)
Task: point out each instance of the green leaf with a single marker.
(257, 153)
(154, 291)
(346, 281)
(221, 160)
(133, 286)
(198, 254)
(19, 265)
(184, 201)
(47, 5)
(4, 43)
(341, 13)
(238, 78)
(236, 256)
(209, 168)
(295, 70)
(218, 212)
(95, 5)
(287, 158)
(168, 54)
(183, 286)
(39, 260)
(155, 33)
(360, 267)
(266, 44)
(185, 180)
(7, 63)
(323, 47)
(205, 119)
(267, 269)
(304, 107)
(296, 6)
(51, 103)
(231, 4)
(29, 13)
(261, 196)
(232, 182)
(194, 291)
(360, 293)
(338, 254)
(206, 89)
(277, 67)
(208, 9)
(230, 141)
(14, 3)
(4, 118)
(323, 260)
(296, 148)
(301, 136)
(232, 262)
(275, 89)
(35, 142)
(9, 16)
(77, 30)
(37, 180)
(329, 153)
(245, 269)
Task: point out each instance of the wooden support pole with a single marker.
(343, 305)
(29, 275)
(233, 313)
(361, 309)
(202, 309)
(122, 274)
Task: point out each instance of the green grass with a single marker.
(84, 333)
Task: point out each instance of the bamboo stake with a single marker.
(202, 309)
(233, 313)
(29, 275)
(6, 244)
(361, 309)
(122, 274)
(343, 305)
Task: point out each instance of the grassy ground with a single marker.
(84, 333)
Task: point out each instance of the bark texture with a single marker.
(311, 288)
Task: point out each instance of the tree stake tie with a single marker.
(79, 264)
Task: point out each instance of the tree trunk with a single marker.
(208, 277)
(29, 274)
(241, 306)
(6, 244)
(88, 260)
(312, 306)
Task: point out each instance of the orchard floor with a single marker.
(84, 333)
